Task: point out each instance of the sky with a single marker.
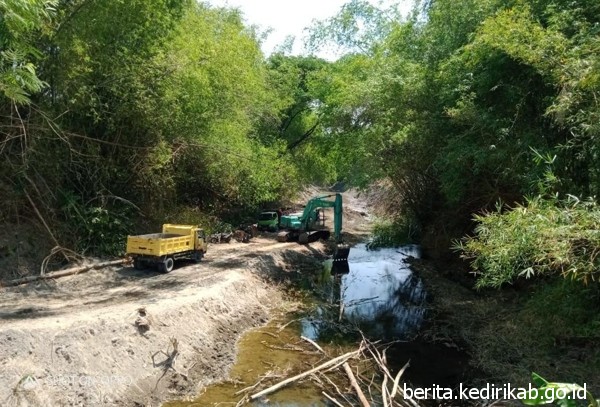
(290, 17)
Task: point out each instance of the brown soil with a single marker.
(107, 337)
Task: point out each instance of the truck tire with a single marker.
(139, 264)
(167, 265)
(198, 255)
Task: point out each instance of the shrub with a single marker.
(542, 237)
(390, 233)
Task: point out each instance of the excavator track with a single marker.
(313, 236)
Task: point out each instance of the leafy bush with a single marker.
(390, 233)
(543, 237)
(563, 394)
(97, 227)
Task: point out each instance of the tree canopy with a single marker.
(121, 110)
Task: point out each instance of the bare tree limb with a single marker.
(306, 135)
(286, 382)
(332, 399)
(62, 273)
(313, 343)
(354, 384)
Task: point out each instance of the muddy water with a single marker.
(275, 351)
(379, 295)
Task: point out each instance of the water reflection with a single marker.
(380, 294)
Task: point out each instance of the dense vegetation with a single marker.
(471, 107)
(483, 114)
(115, 110)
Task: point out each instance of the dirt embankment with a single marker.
(125, 337)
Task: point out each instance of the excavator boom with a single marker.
(302, 227)
(308, 215)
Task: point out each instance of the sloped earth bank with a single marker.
(108, 337)
(119, 336)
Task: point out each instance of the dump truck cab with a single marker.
(268, 220)
(197, 233)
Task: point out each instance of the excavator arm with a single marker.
(302, 227)
(340, 257)
(323, 202)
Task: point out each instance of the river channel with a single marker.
(380, 297)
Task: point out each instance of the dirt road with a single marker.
(108, 337)
(125, 337)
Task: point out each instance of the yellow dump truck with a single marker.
(161, 249)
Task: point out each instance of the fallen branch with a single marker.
(169, 362)
(63, 273)
(254, 386)
(332, 399)
(290, 380)
(380, 361)
(69, 255)
(281, 328)
(286, 347)
(336, 388)
(397, 379)
(384, 393)
(354, 383)
(268, 333)
(359, 302)
(313, 343)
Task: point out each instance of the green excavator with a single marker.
(309, 226)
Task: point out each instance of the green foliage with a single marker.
(157, 103)
(99, 227)
(449, 103)
(392, 233)
(170, 103)
(358, 27)
(537, 239)
(210, 109)
(189, 215)
(20, 22)
(297, 125)
(561, 394)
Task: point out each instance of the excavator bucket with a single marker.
(340, 261)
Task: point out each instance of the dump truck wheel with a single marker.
(167, 265)
(139, 264)
(198, 255)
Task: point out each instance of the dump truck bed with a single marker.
(159, 244)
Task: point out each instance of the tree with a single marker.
(20, 22)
